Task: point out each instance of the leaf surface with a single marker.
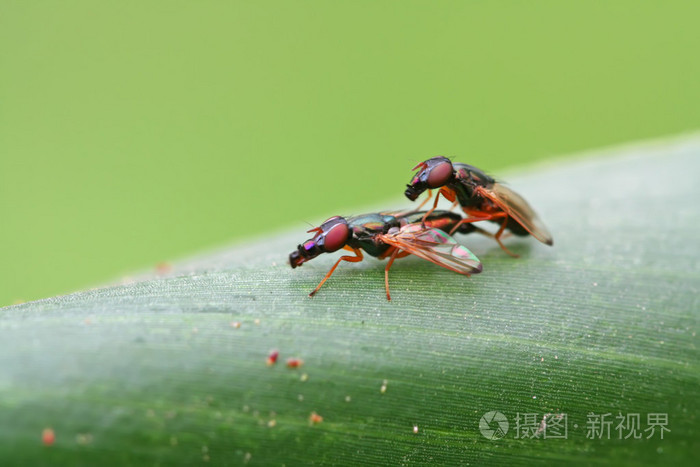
(173, 369)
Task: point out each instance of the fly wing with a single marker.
(435, 246)
(519, 209)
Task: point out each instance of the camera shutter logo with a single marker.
(493, 425)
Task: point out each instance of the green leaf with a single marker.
(604, 322)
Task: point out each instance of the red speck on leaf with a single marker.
(294, 362)
(48, 436)
(272, 358)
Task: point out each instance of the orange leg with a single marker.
(497, 237)
(388, 252)
(469, 219)
(446, 193)
(351, 259)
(437, 198)
(430, 195)
(396, 254)
(403, 213)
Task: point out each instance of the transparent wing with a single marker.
(519, 209)
(435, 246)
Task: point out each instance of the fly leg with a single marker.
(437, 198)
(427, 198)
(351, 259)
(395, 254)
(403, 213)
(497, 237)
(471, 219)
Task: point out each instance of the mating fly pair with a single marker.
(426, 234)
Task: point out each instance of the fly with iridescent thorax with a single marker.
(391, 235)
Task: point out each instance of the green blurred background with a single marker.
(135, 132)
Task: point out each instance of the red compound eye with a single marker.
(439, 174)
(336, 237)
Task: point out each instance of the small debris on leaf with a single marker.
(294, 362)
(48, 436)
(272, 358)
(315, 418)
(83, 438)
